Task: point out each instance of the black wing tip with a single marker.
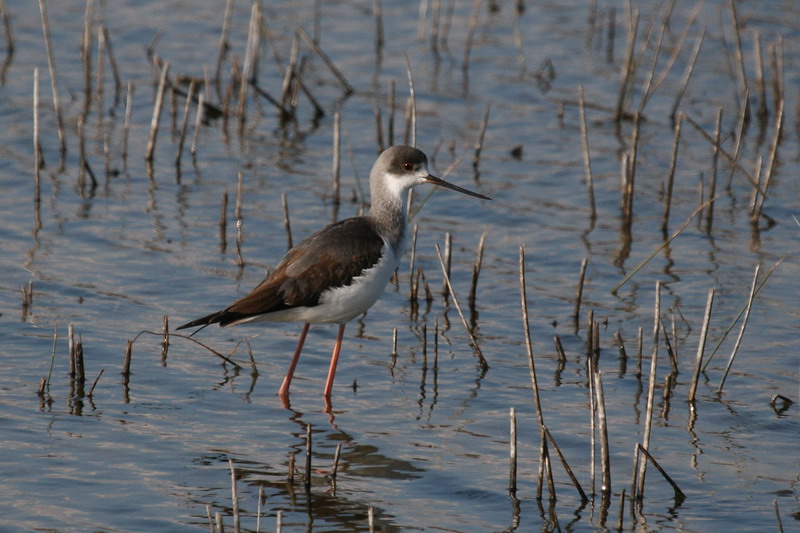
(204, 321)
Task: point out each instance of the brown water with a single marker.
(425, 445)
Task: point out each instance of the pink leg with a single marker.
(284, 390)
(334, 360)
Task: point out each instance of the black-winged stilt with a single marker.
(338, 272)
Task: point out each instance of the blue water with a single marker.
(424, 437)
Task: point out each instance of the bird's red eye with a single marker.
(408, 167)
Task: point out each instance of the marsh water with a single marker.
(423, 429)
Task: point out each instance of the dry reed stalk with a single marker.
(651, 388)
(336, 163)
(414, 284)
(592, 423)
(566, 466)
(126, 366)
(448, 261)
(278, 521)
(435, 12)
(748, 306)
(758, 64)
(476, 158)
(234, 497)
(771, 161)
(663, 245)
(673, 164)
(411, 131)
(7, 27)
(476, 270)
(307, 480)
(512, 451)
(286, 110)
(86, 55)
(100, 90)
(629, 64)
(562, 356)
(677, 47)
(198, 121)
(587, 163)
(602, 426)
(776, 67)
(725, 154)
(647, 84)
(223, 223)
(94, 383)
(473, 24)
(290, 467)
(712, 187)
(185, 122)
(62, 138)
(286, 223)
(71, 348)
(126, 123)
(348, 89)
(673, 358)
(390, 104)
(579, 290)
(377, 12)
(394, 343)
(335, 471)
(371, 519)
(165, 340)
(239, 219)
(473, 341)
(621, 511)
(157, 108)
(259, 510)
(687, 74)
(37, 147)
(223, 46)
(639, 352)
(741, 76)
(679, 495)
(249, 67)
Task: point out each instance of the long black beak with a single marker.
(441, 183)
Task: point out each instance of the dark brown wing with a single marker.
(329, 258)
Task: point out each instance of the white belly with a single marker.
(342, 304)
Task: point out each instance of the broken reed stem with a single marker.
(336, 163)
(348, 89)
(185, 122)
(587, 164)
(336, 464)
(473, 24)
(663, 245)
(773, 156)
(37, 147)
(159, 104)
(741, 312)
(198, 120)
(223, 45)
(448, 261)
(579, 292)
(527, 331)
(165, 340)
(566, 466)
(476, 158)
(307, 480)
(234, 497)
(687, 73)
(126, 124)
(94, 383)
(126, 363)
(473, 341)
(741, 331)
(411, 131)
(62, 138)
(602, 427)
(223, 222)
(712, 187)
(512, 443)
(673, 163)
(701, 346)
(651, 389)
(286, 223)
(71, 348)
(630, 63)
(476, 270)
(679, 495)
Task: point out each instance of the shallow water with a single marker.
(424, 437)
